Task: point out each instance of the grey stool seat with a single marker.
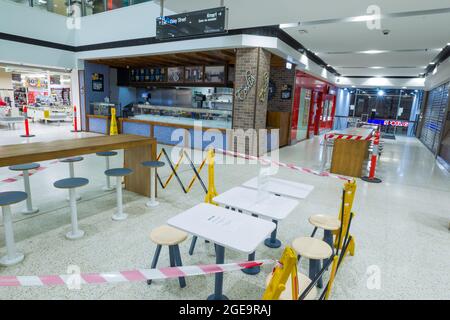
(153, 164)
(11, 197)
(74, 159)
(6, 200)
(118, 172)
(107, 153)
(70, 183)
(26, 182)
(26, 166)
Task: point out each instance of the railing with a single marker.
(87, 7)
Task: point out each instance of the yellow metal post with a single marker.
(281, 273)
(332, 276)
(212, 192)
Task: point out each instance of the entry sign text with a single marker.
(193, 23)
(394, 123)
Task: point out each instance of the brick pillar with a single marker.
(250, 101)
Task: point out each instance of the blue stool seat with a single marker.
(118, 172)
(107, 153)
(26, 166)
(70, 183)
(74, 159)
(153, 164)
(12, 197)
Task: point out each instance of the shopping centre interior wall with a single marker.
(441, 76)
(342, 109)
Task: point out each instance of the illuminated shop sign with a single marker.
(394, 123)
(193, 23)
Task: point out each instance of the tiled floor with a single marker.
(401, 228)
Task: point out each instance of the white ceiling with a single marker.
(411, 33)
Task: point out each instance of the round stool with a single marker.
(153, 165)
(71, 162)
(315, 250)
(328, 224)
(6, 200)
(303, 283)
(168, 236)
(119, 173)
(107, 154)
(72, 184)
(26, 181)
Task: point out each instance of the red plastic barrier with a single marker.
(27, 127)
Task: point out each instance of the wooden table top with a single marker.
(40, 151)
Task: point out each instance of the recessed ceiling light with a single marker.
(373, 51)
(303, 31)
(432, 63)
(404, 88)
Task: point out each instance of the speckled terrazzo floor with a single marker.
(400, 228)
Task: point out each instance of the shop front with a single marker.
(313, 108)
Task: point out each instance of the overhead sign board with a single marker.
(195, 23)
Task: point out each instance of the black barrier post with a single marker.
(173, 170)
(316, 278)
(196, 172)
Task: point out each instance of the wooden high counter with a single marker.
(136, 150)
(349, 155)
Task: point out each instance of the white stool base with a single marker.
(152, 204)
(32, 211)
(8, 261)
(106, 188)
(119, 217)
(73, 236)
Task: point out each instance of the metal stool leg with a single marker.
(12, 256)
(155, 260)
(72, 175)
(273, 242)
(179, 263)
(119, 215)
(152, 203)
(26, 182)
(75, 233)
(328, 238)
(108, 180)
(192, 247)
(253, 270)
(314, 269)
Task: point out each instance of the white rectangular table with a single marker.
(271, 206)
(282, 187)
(226, 229)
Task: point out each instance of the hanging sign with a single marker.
(190, 24)
(97, 82)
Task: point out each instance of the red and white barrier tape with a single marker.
(126, 276)
(332, 136)
(284, 165)
(30, 172)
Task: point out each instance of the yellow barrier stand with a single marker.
(281, 273)
(113, 127)
(350, 190)
(212, 192)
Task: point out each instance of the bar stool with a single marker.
(119, 173)
(315, 250)
(303, 283)
(72, 184)
(168, 236)
(107, 154)
(329, 224)
(153, 165)
(71, 162)
(6, 200)
(26, 181)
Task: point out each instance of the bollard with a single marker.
(75, 121)
(27, 128)
(373, 161)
